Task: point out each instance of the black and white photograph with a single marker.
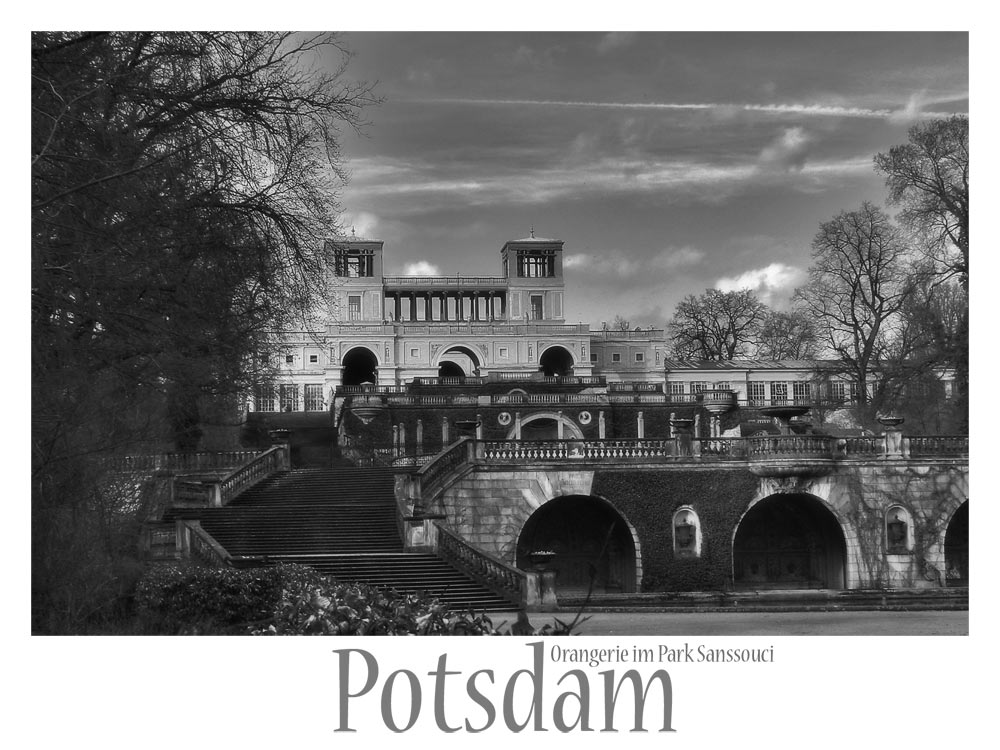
(655, 339)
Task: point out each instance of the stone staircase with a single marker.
(343, 523)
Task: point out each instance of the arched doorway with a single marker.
(449, 369)
(360, 366)
(789, 541)
(590, 540)
(956, 548)
(556, 360)
(458, 361)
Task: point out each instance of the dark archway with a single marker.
(461, 357)
(556, 361)
(956, 548)
(789, 541)
(449, 369)
(360, 366)
(589, 538)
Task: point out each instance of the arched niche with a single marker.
(360, 366)
(956, 547)
(556, 360)
(686, 532)
(898, 530)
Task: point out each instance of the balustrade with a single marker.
(928, 446)
(503, 579)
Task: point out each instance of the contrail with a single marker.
(820, 110)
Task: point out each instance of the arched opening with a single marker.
(556, 361)
(590, 541)
(449, 369)
(789, 541)
(545, 426)
(360, 366)
(956, 548)
(458, 361)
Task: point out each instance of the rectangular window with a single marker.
(616, 357)
(697, 386)
(314, 397)
(264, 397)
(593, 355)
(354, 307)
(722, 385)
(503, 352)
(536, 307)
(314, 359)
(755, 393)
(639, 356)
(802, 392)
(289, 359)
(289, 395)
(414, 353)
(676, 389)
(779, 394)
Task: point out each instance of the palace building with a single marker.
(461, 421)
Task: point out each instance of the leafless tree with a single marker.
(857, 289)
(717, 325)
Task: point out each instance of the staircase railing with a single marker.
(241, 479)
(175, 463)
(501, 578)
(198, 544)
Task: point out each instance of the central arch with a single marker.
(360, 366)
(589, 538)
(789, 541)
(458, 360)
(544, 425)
(556, 360)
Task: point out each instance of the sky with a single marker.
(668, 163)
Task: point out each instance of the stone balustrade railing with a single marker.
(252, 472)
(435, 399)
(179, 463)
(434, 474)
(548, 399)
(198, 544)
(930, 446)
(505, 580)
(800, 446)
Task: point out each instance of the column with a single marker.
(420, 436)
(428, 307)
(479, 427)
(413, 306)
(460, 315)
(640, 426)
(601, 427)
(402, 438)
(444, 306)
(397, 299)
(444, 431)
(395, 439)
(517, 425)
(560, 433)
(491, 312)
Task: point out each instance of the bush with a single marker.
(296, 600)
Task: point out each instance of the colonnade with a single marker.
(457, 306)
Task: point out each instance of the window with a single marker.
(289, 359)
(355, 263)
(536, 307)
(313, 359)
(593, 355)
(697, 386)
(536, 265)
(414, 353)
(354, 307)
(676, 389)
(779, 393)
(503, 352)
(722, 385)
(616, 357)
(755, 393)
(289, 398)
(639, 357)
(802, 392)
(264, 398)
(898, 536)
(314, 397)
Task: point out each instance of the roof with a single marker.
(750, 364)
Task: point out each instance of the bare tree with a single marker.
(858, 287)
(929, 178)
(717, 325)
(182, 186)
(786, 335)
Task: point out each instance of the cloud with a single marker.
(615, 40)
(773, 284)
(787, 152)
(421, 268)
(616, 263)
(362, 223)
